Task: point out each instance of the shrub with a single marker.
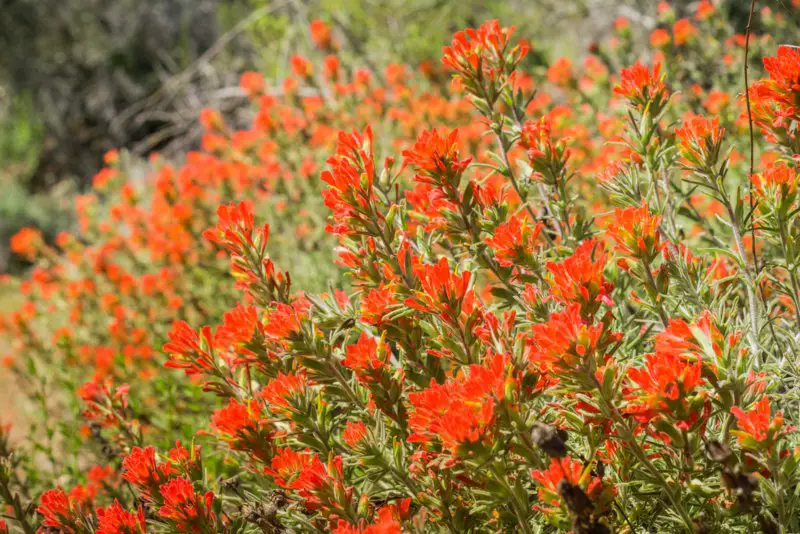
(573, 307)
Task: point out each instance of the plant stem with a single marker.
(750, 280)
(636, 450)
(654, 290)
(523, 523)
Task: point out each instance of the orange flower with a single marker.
(774, 100)
(60, 511)
(548, 156)
(776, 181)
(460, 413)
(322, 484)
(116, 520)
(350, 179)
(644, 88)
(784, 69)
(281, 390)
(287, 464)
(241, 424)
(189, 511)
(580, 278)
(189, 351)
(756, 428)
(353, 433)
(684, 31)
(385, 523)
(659, 38)
(636, 232)
(320, 34)
(235, 229)
(566, 468)
(366, 357)
(566, 473)
(27, 243)
(301, 66)
(252, 83)
(560, 72)
(666, 386)
(483, 49)
(436, 157)
(680, 339)
(700, 141)
(514, 240)
(377, 303)
(566, 342)
(141, 469)
(443, 292)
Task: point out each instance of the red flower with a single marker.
(141, 469)
(244, 428)
(784, 69)
(27, 243)
(580, 278)
(279, 392)
(377, 303)
(566, 468)
(350, 178)
(3, 527)
(774, 100)
(756, 428)
(301, 66)
(567, 342)
(187, 462)
(189, 351)
(320, 34)
(684, 31)
(482, 49)
(385, 523)
(211, 120)
(548, 156)
(322, 485)
(116, 520)
(366, 357)
(252, 83)
(104, 405)
(353, 433)
(700, 141)
(436, 158)
(659, 38)
(240, 327)
(681, 339)
(571, 472)
(776, 181)
(560, 72)
(460, 413)
(189, 511)
(443, 292)
(636, 232)
(287, 464)
(60, 511)
(514, 240)
(284, 320)
(644, 88)
(235, 230)
(667, 385)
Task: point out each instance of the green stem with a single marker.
(640, 455)
(515, 504)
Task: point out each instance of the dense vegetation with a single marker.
(486, 293)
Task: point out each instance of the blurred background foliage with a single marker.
(79, 77)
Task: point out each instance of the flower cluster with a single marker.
(511, 347)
